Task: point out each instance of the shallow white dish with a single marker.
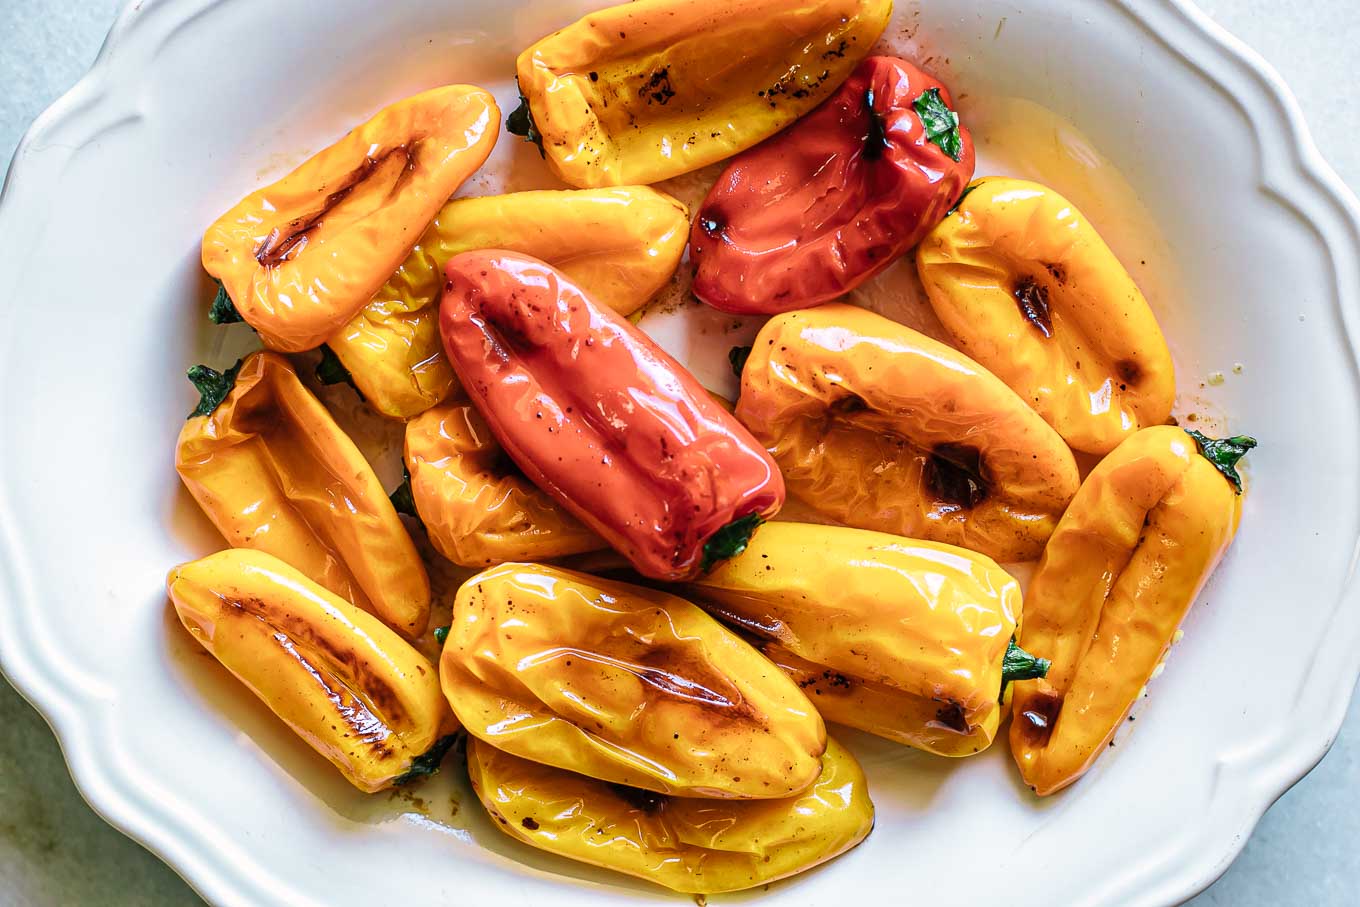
(194, 102)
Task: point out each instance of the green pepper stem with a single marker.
(521, 123)
(1224, 454)
(730, 540)
(213, 386)
(428, 762)
(441, 634)
(223, 310)
(1020, 665)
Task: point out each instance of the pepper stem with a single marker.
(213, 386)
(737, 356)
(1020, 665)
(521, 123)
(1225, 454)
(223, 310)
(427, 763)
(730, 540)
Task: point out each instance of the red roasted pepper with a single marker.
(597, 415)
(820, 208)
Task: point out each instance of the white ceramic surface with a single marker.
(195, 102)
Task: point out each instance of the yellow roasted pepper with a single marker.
(625, 684)
(1029, 289)
(1141, 537)
(301, 256)
(477, 507)
(652, 89)
(355, 691)
(272, 470)
(684, 844)
(880, 427)
(621, 245)
(901, 638)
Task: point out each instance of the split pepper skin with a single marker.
(905, 639)
(626, 684)
(300, 257)
(350, 687)
(834, 199)
(621, 245)
(598, 416)
(880, 427)
(688, 845)
(1119, 575)
(269, 466)
(648, 90)
(1028, 288)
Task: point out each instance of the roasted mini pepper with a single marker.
(300, 257)
(878, 426)
(834, 199)
(1029, 289)
(600, 417)
(272, 470)
(905, 639)
(477, 507)
(625, 684)
(651, 89)
(1128, 559)
(621, 245)
(354, 690)
(688, 845)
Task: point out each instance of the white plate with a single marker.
(193, 103)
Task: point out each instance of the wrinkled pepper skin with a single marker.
(1028, 288)
(1128, 559)
(477, 507)
(355, 691)
(645, 91)
(626, 684)
(897, 637)
(687, 845)
(879, 427)
(301, 256)
(273, 472)
(600, 417)
(621, 245)
(831, 201)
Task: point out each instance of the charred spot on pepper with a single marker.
(1057, 272)
(951, 716)
(876, 135)
(956, 474)
(529, 823)
(657, 88)
(1036, 722)
(1128, 371)
(1032, 298)
(645, 801)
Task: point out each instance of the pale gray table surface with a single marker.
(55, 851)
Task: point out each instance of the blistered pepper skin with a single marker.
(825, 205)
(1028, 288)
(879, 427)
(273, 472)
(599, 416)
(687, 845)
(301, 256)
(350, 687)
(477, 507)
(1128, 559)
(894, 636)
(625, 684)
(648, 90)
(621, 245)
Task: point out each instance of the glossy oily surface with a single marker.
(273, 471)
(1029, 289)
(897, 637)
(597, 415)
(354, 690)
(300, 257)
(621, 245)
(820, 208)
(625, 684)
(648, 90)
(687, 845)
(880, 427)
(477, 507)
(1128, 559)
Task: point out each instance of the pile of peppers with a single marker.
(642, 655)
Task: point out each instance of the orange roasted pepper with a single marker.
(648, 90)
(477, 507)
(621, 245)
(272, 470)
(1141, 537)
(880, 427)
(301, 256)
(1029, 289)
